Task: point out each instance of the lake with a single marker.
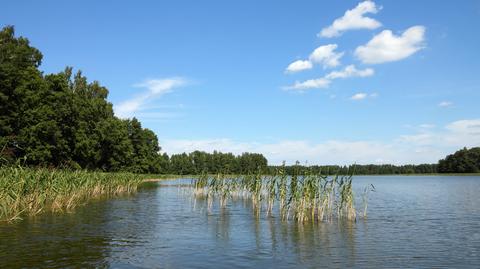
(412, 222)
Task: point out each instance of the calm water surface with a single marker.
(415, 222)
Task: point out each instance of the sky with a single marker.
(321, 82)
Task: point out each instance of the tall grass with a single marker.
(27, 191)
(305, 197)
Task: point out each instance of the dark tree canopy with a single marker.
(462, 161)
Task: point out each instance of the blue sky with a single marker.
(374, 81)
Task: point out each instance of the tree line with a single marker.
(368, 169)
(462, 161)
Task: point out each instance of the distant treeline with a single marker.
(462, 161)
(199, 162)
(369, 169)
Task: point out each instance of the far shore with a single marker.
(173, 177)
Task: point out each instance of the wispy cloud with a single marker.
(154, 89)
(387, 47)
(324, 82)
(461, 133)
(353, 19)
(426, 146)
(350, 71)
(309, 84)
(359, 96)
(445, 104)
(426, 126)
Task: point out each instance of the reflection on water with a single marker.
(412, 222)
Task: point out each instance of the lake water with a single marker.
(413, 222)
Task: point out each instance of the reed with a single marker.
(27, 191)
(301, 197)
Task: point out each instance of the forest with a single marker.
(64, 121)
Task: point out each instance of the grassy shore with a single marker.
(28, 191)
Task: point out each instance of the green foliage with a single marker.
(462, 161)
(199, 162)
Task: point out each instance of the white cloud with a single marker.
(422, 139)
(353, 19)
(387, 47)
(422, 147)
(326, 56)
(362, 96)
(445, 104)
(310, 84)
(465, 126)
(457, 134)
(427, 126)
(155, 88)
(350, 71)
(324, 82)
(359, 96)
(299, 65)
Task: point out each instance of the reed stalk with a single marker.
(305, 197)
(28, 191)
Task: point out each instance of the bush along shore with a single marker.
(28, 191)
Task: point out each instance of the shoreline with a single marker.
(173, 177)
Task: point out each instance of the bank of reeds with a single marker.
(29, 191)
(306, 197)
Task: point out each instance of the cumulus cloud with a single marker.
(298, 66)
(387, 47)
(154, 88)
(324, 55)
(324, 82)
(422, 147)
(353, 19)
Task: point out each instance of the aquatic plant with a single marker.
(28, 191)
(306, 196)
